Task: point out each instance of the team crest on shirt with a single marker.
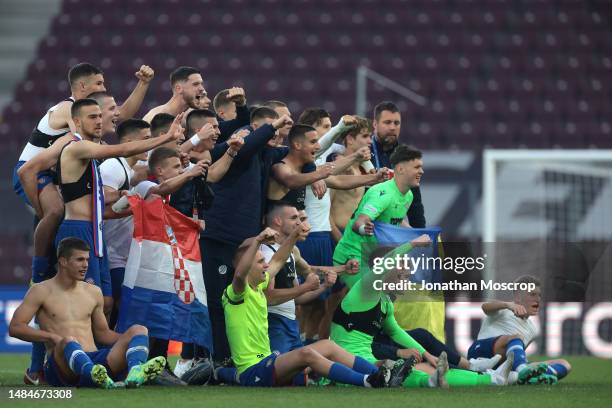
(222, 270)
(382, 193)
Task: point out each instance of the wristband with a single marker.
(195, 140)
(361, 229)
(232, 154)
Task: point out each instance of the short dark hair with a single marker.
(221, 99)
(160, 154)
(161, 123)
(298, 131)
(195, 115)
(130, 126)
(404, 153)
(384, 106)
(274, 104)
(274, 206)
(80, 70)
(182, 73)
(76, 107)
(99, 96)
(313, 116)
(263, 112)
(70, 244)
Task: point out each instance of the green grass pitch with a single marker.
(589, 385)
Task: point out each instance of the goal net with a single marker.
(548, 213)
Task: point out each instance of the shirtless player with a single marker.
(71, 318)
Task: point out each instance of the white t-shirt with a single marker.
(117, 232)
(318, 210)
(504, 322)
(286, 309)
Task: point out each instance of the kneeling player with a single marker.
(507, 330)
(71, 318)
(246, 319)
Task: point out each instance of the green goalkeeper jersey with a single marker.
(246, 324)
(382, 202)
(355, 334)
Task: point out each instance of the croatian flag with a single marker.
(163, 288)
(391, 235)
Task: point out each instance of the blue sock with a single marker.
(518, 348)
(138, 350)
(345, 375)
(37, 357)
(557, 369)
(79, 362)
(40, 266)
(363, 366)
(227, 375)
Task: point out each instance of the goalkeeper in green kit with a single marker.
(364, 312)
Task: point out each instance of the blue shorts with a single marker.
(54, 378)
(117, 275)
(482, 348)
(44, 178)
(97, 271)
(260, 374)
(284, 333)
(318, 250)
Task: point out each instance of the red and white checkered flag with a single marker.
(182, 283)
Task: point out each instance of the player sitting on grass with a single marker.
(71, 318)
(246, 319)
(366, 311)
(507, 330)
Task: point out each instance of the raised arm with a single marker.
(332, 134)
(245, 262)
(309, 290)
(228, 127)
(258, 139)
(132, 104)
(349, 181)
(495, 306)
(19, 325)
(280, 257)
(218, 169)
(89, 150)
(294, 180)
(175, 183)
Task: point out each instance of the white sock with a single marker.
(521, 367)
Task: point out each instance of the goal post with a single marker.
(541, 208)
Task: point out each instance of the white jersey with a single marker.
(43, 135)
(505, 323)
(286, 309)
(116, 174)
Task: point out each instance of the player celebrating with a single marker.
(81, 186)
(245, 307)
(366, 311)
(284, 291)
(385, 202)
(507, 330)
(72, 322)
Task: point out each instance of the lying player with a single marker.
(246, 317)
(507, 330)
(364, 312)
(72, 322)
